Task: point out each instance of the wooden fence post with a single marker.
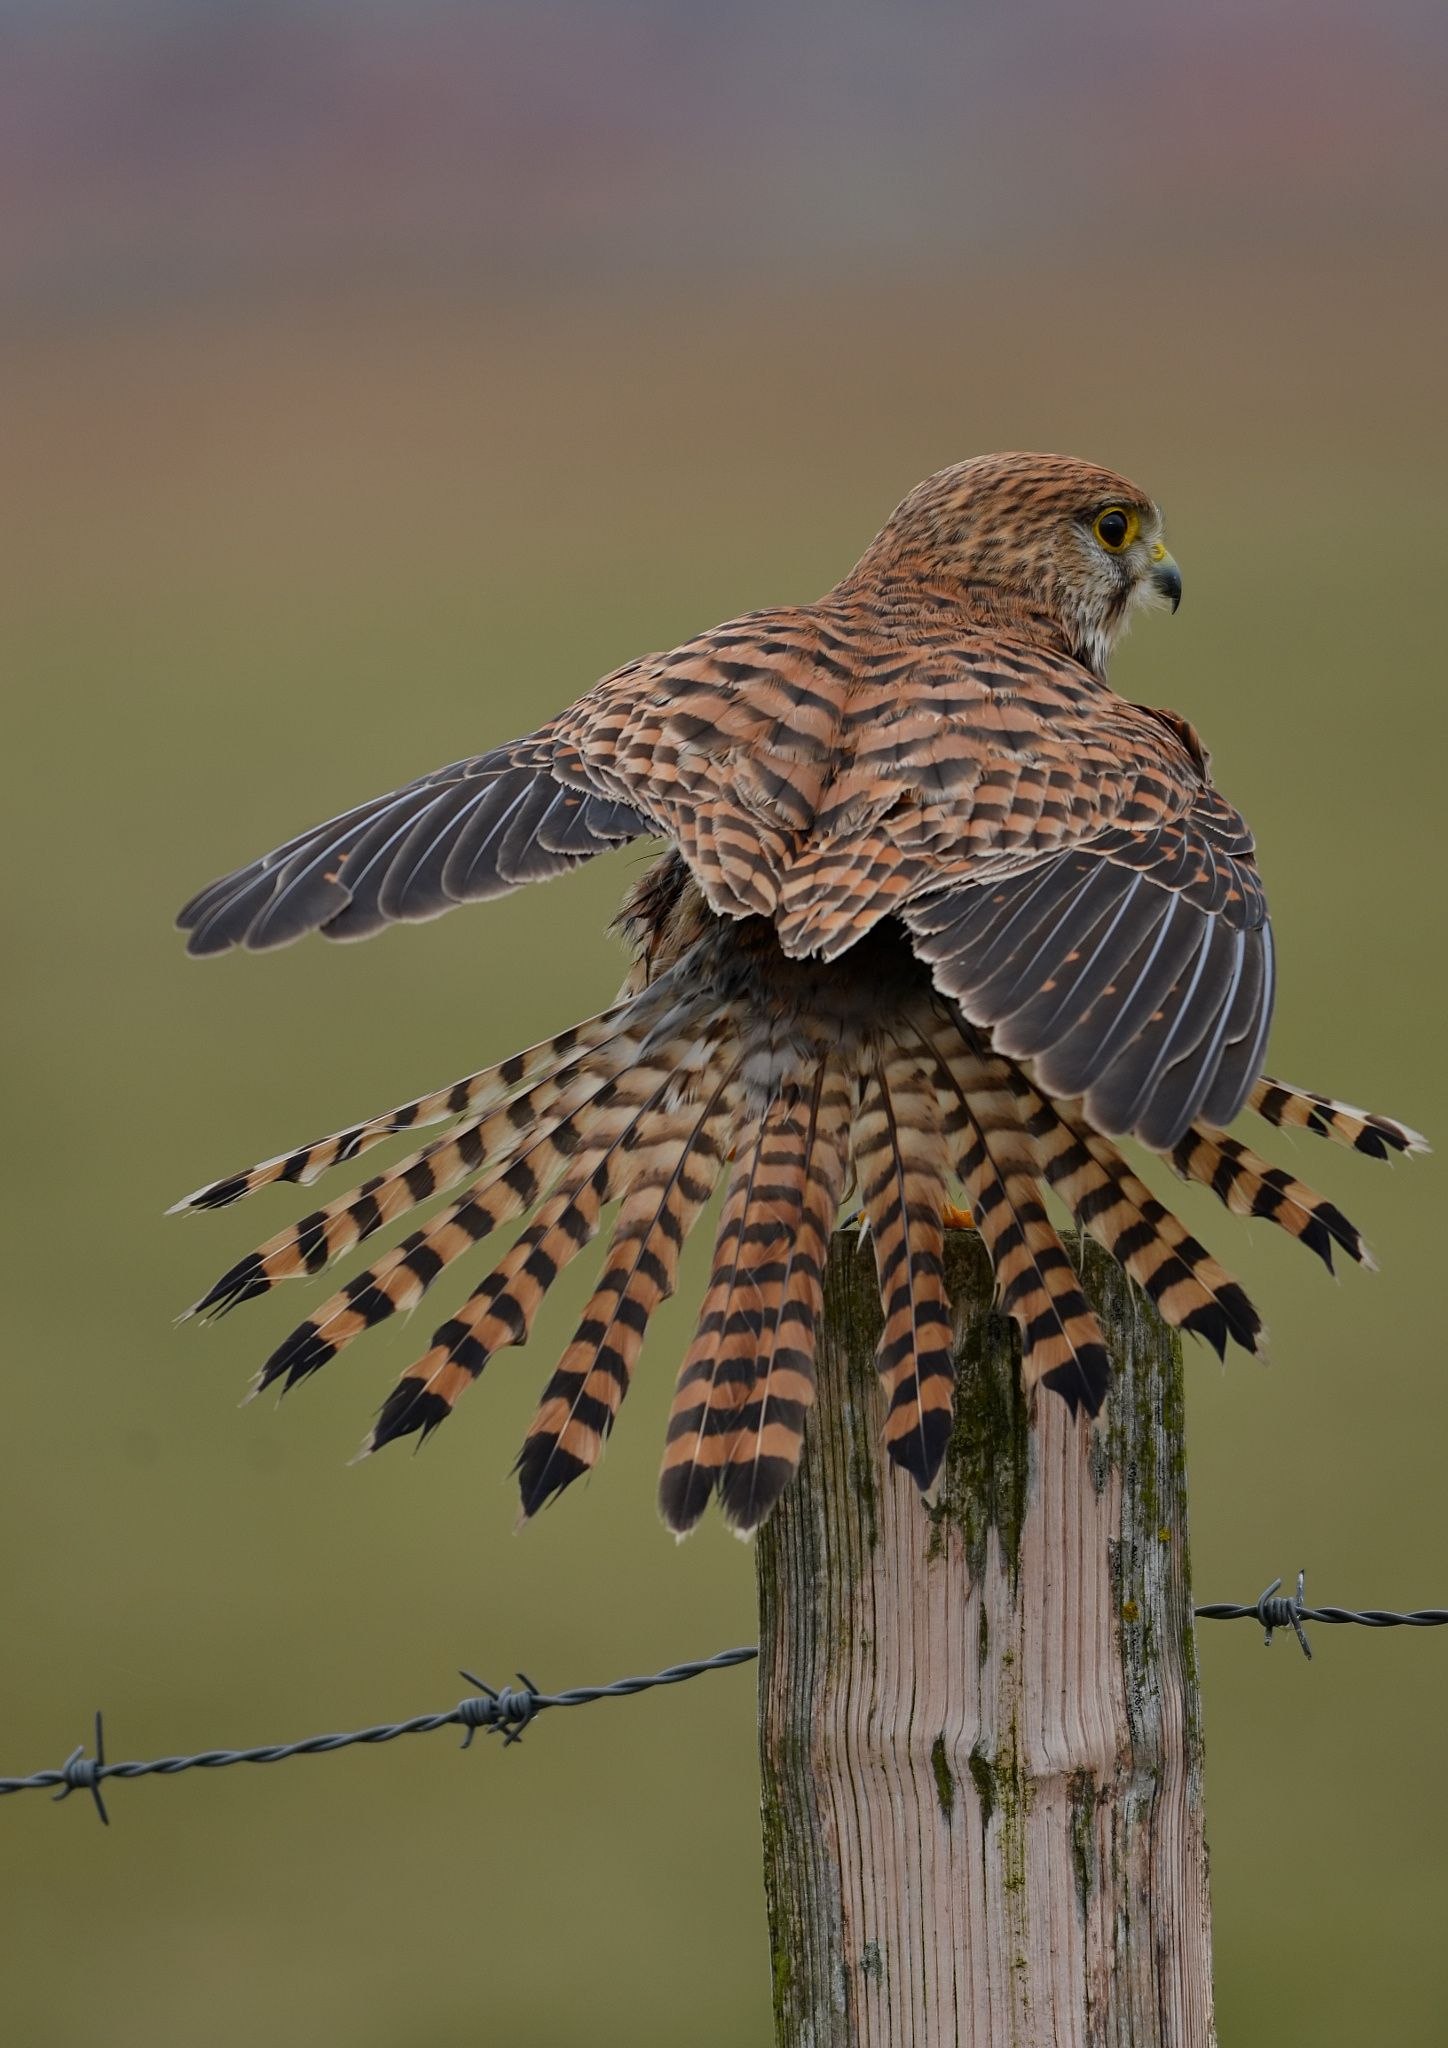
(979, 1720)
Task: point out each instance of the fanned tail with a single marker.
(747, 1380)
(724, 1048)
(901, 1161)
(1278, 1102)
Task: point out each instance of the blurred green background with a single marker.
(373, 379)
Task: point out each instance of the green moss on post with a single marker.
(980, 1731)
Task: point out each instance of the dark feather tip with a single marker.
(1231, 1317)
(1242, 1318)
(1318, 1238)
(1210, 1323)
(304, 1352)
(683, 1497)
(747, 1493)
(543, 1471)
(1342, 1230)
(220, 1195)
(408, 1409)
(921, 1450)
(1083, 1382)
(242, 1282)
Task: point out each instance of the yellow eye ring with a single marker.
(1116, 528)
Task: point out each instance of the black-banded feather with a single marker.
(553, 1153)
(899, 1147)
(500, 1311)
(1036, 1283)
(1249, 1185)
(762, 1208)
(1299, 1109)
(765, 1447)
(582, 1400)
(476, 1149)
(1110, 1202)
(614, 1037)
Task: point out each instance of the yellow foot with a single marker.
(957, 1219)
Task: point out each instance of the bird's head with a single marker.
(1057, 546)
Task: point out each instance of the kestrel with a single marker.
(938, 910)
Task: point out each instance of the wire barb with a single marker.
(82, 1773)
(1275, 1611)
(507, 1710)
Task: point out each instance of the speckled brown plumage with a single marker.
(941, 910)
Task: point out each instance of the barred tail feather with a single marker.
(474, 1095)
(1249, 1186)
(1189, 1288)
(399, 1279)
(518, 1181)
(1299, 1109)
(763, 1216)
(1061, 1342)
(804, 1078)
(475, 1149)
(900, 1166)
(582, 1400)
(500, 1311)
(765, 1448)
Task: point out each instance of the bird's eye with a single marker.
(1115, 529)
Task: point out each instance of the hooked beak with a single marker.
(1166, 577)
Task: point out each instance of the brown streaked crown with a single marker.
(1011, 536)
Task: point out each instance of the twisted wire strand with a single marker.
(506, 1711)
(509, 1710)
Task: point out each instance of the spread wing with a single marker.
(1134, 971)
(469, 831)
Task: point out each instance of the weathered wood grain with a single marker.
(979, 1719)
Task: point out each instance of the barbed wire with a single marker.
(508, 1711)
(1274, 1611)
(504, 1712)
